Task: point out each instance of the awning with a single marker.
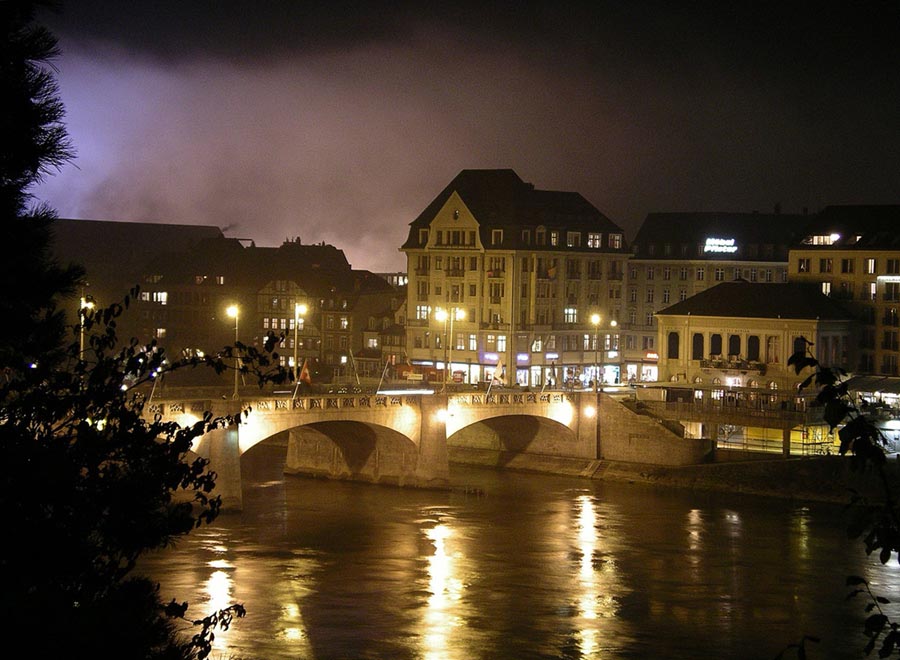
(872, 384)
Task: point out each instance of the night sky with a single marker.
(340, 121)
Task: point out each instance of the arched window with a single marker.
(753, 348)
(799, 345)
(715, 345)
(734, 345)
(697, 346)
(698, 379)
(672, 352)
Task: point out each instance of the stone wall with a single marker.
(631, 437)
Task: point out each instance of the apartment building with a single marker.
(677, 255)
(852, 253)
(509, 280)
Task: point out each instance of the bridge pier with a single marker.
(222, 449)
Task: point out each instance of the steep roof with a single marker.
(859, 226)
(742, 299)
(116, 254)
(499, 198)
(693, 229)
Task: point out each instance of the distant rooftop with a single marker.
(743, 299)
(499, 198)
(719, 236)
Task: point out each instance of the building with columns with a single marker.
(503, 274)
(677, 255)
(741, 335)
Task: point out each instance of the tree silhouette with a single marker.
(89, 480)
(877, 523)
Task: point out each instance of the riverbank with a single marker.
(818, 478)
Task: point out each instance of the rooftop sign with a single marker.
(720, 245)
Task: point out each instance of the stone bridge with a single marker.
(406, 439)
(385, 438)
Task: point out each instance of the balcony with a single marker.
(616, 276)
(455, 272)
(732, 363)
(496, 273)
(891, 320)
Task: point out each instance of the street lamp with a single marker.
(456, 313)
(595, 321)
(441, 316)
(86, 304)
(299, 310)
(234, 312)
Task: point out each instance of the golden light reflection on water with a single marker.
(596, 583)
(445, 588)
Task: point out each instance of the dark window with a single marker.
(673, 346)
(715, 345)
(734, 345)
(697, 348)
(753, 348)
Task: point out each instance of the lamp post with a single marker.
(441, 316)
(299, 310)
(233, 312)
(86, 304)
(595, 321)
(455, 313)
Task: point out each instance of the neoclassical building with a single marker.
(501, 273)
(741, 334)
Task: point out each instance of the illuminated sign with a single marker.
(720, 245)
(490, 356)
(522, 357)
(888, 278)
(652, 356)
(552, 356)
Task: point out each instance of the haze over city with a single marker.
(341, 122)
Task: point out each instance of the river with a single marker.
(514, 566)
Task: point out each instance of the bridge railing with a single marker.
(285, 404)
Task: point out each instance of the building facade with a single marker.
(742, 334)
(510, 281)
(852, 254)
(677, 255)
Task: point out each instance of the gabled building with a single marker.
(677, 255)
(501, 273)
(852, 254)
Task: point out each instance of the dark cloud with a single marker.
(340, 121)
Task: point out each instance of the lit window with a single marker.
(570, 315)
(615, 241)
(595, 240)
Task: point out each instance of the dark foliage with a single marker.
(89, 480)
(876, 523)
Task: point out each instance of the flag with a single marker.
(498, 372)
(304, 374)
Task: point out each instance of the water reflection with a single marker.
(597, 582)
(538, 567)
(445, 589)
